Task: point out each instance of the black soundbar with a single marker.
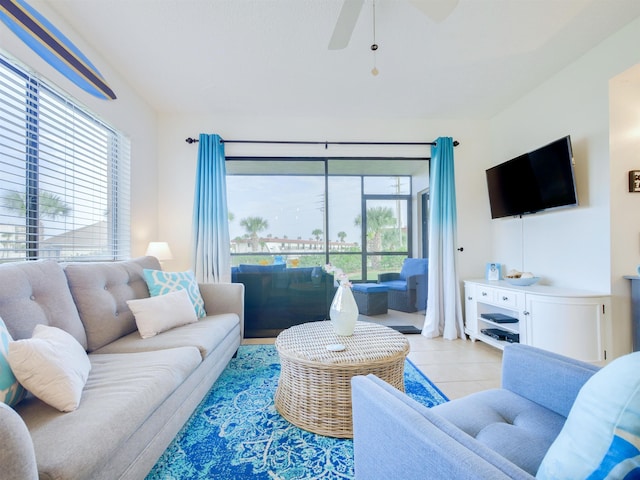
(499, 334)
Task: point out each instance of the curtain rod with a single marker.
(326, 144)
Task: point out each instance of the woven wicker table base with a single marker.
(314, 389)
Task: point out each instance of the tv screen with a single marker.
(535, 181)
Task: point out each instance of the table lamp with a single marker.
(160, 250)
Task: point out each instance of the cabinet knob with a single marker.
(505, 298)
(525, 312)
(469, 298)
(484, 294)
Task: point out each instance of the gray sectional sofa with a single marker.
(139, 392)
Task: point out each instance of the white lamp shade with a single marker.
(160, 250)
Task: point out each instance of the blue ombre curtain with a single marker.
(211, 258)
(444, 309)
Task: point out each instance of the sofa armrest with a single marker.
(17, 456)
(525, 368)
(413, 281)
(396, 437)
(388, 277)
(224, 298)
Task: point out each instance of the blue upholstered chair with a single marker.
(553, 418)
(407, 289)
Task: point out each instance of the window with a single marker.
(278, 214)
(357, 216)
(64, 176)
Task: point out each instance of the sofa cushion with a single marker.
(52, 365)
(11, 392)
(601, 437)
(250, 268)
(155, 315)
(370, 287)
(160, 283)
(504, 421)
(37, 293)
(121, 393)
(206, 334)
(101, 291)
(398, 285)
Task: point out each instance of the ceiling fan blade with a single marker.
(345, 24)
(436, 10)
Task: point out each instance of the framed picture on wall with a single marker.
(634, 181)
(494, 271)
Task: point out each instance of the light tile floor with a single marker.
(456, 367)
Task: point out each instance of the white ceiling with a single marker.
(270, 57)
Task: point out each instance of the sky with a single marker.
(293, 205)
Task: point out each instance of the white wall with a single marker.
(574, 247)
(177, 161)
(128, 113)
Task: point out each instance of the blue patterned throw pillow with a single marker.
(601, 438)
(11, 392)
(160, 283)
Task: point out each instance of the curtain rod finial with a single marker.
(190, 140)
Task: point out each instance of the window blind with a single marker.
(64, 176)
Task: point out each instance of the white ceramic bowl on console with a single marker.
(523, 282)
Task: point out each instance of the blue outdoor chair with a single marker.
(407, 289)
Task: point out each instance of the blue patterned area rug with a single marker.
(237, 433)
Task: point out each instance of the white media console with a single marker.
(569, 322)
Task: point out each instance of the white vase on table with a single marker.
(343, 311)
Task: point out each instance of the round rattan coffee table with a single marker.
(314, 389)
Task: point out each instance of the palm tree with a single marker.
(50, 206)
(341, 236)
(317, 233)
(378, 219)
(253, 225)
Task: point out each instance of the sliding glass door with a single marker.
(288, 217)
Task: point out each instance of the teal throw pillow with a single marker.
(601, 437)
(11, 392)
(161, 283)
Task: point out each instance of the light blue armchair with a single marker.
(407, 289)
(495, 434)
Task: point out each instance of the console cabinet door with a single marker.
(571, 326)
(470, 309)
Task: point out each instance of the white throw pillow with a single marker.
(52, 365)
(157, 314)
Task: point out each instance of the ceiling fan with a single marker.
(436, 10)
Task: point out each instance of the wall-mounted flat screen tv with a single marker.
(535, 181)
